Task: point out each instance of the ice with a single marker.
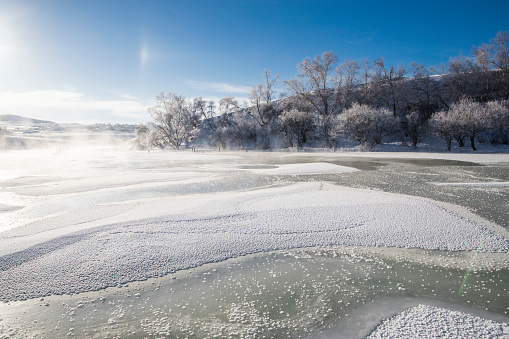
(473, 184)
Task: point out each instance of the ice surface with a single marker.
(83, 251)
(494, 155)
(474, 184)
(426, 321)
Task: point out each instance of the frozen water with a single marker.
(75, 222)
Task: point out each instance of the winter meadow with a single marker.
(356, 200)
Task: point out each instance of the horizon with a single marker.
(104, 62)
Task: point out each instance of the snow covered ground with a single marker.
(83, 220)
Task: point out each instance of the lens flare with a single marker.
(472, 263)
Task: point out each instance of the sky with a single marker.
(105, 61)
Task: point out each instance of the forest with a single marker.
(465, 102)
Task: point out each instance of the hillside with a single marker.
(16, 120)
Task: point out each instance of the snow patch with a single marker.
(426, 321)
(158, 237)
(307, 169)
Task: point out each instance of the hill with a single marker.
(16, 120)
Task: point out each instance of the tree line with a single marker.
(365, 101)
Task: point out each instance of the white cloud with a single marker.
(220, 87)
(67, 106)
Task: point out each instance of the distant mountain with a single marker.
(16, 120)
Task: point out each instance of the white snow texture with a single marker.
(158, 236)
(430, 322)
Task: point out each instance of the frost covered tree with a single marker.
(296, 121)
(206, 110)
(144, 137)
(319, 85)
(2, 137)
(414, 127)
(174, 119)
(261, 99)
(367, 125)
(443, 125)
(465, 119)
(264, 110)
(498, 116)
(472, 118)
(234, 124)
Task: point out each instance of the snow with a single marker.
(307, 169)
(155, 237)
(426, 321)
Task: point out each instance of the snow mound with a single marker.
(431, 322)
(307, 169)
(161, 236)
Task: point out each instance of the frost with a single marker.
(426, 321)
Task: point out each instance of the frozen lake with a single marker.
(99, 242)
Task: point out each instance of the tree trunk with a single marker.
(472, 143)
(460, 140)
(448, 141)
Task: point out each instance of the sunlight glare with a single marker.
(143, 55)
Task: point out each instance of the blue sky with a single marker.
(105, 61)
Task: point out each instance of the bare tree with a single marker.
(460, 80)
(175, 120)
(500, 46)
(423, 92)
(207, 110)
(388, 81)
(367, 73)
(348, 73)
(483, 58)
(319, 84)
(232, 121)
(263, 110)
